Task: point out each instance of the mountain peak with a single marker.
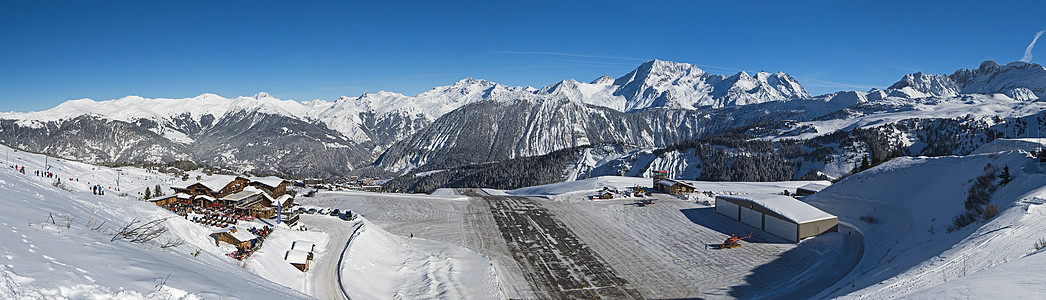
(605, 79)
(260, 95)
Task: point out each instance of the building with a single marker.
(779, 215)
(164, 200)
(674, 187)
(306, 246)
(242, 239)
(259, 197)
(272, 185)
(297, 258)
(809, 189)
(216, 186)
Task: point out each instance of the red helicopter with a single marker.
(731, 242)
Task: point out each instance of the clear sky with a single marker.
(53, 51)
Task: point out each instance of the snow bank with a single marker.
(379, 265)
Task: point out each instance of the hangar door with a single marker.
(751, 217)
(726, 208)
(782, 228)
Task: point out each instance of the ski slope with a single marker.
(909, 252)
(68, 260)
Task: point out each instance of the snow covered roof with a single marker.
(788, 207)
(205, 197)
(214, 182)
(271, 181)
(217, 182)
(297, 257)
(240, 235)
(243, 235)
(814, 187)
(283, 198)
(161, 198)
(302, 245)
(666, 182)
(238, 196)
(670, 182)
(183, 196)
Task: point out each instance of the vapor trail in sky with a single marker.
(1027, 52)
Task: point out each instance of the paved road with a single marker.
(556, 263)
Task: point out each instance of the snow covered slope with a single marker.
(67, 259)
(910, 253)
(378, 264)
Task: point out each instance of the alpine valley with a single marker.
(662, 115)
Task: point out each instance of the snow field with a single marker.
(663, 250)
(909, 251)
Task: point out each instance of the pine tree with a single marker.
(158, 192)
(147, 194)
(865, 164)
(1005, 176)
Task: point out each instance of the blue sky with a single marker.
(51, 52)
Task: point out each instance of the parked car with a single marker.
(312, 211)
(335, 212)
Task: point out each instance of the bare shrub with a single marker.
(1040, 244)
(141, 232)
(990, 211)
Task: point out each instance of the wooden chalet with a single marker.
(258, 197)
(299, 259)
(242, 239)
(164, 200)
(674, 187)
(272, 185)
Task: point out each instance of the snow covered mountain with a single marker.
(476, 121)
(351, 132)
(666, 84)
(1019, 80)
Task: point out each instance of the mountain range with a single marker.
(473, 121)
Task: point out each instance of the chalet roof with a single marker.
(246, 193)
(214, 182)
(302, 245)
(270, 181)
(241, 235)
(183, 196)
(284, 198)
(670, 182)
(788, 207)
(205, 197)
(217, 182)
(161, 198)
(297, 257)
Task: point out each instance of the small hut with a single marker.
(299, 259)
